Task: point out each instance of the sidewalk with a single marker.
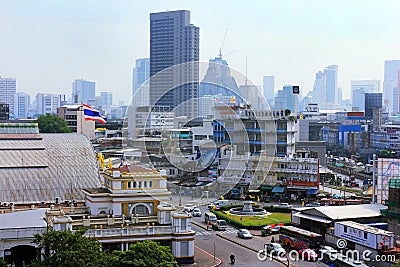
(206, 259)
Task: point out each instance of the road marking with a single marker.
(203, 233)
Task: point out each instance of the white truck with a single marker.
(219, 225)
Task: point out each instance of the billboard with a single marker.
(387, 169)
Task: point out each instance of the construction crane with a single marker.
(222, 47)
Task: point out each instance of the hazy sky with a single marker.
(46, 44)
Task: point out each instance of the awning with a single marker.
(311, 217)
(266, 187)
(278, 189)
(312, 191)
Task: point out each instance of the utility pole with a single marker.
(373, 178)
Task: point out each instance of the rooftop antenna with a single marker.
(223, 42)
(245, 81)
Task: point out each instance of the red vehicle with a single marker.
(308, 254)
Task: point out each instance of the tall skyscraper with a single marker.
(373, 101)
(141, 73)
(390, 85)
(173, 40)
(326, 85)
(106, 99)
(269, 89)
(83, 91)
(360, 87)
(48, 103)
(21, 105)
(331, 74)
(8, 87)
(286, 99)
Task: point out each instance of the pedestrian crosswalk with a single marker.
(228, 231)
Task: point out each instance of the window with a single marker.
(144, 184)
(183, 224)
(129, 185)
(150, 183)
(140, 184)
(365, 235)
(134, 184)
(345, 229)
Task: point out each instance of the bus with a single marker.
(209, 217)
(298, 238)
(339, 260)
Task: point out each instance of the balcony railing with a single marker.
(130, 231)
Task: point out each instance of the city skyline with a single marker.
(49, 44)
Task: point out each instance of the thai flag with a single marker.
(92, 114)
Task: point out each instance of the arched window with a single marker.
(141, 210)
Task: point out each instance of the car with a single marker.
(315, 204)
(308, 254)
(275, 230)
(284, 205)
(276, 249)
(244, 233)
(196, 212)
(327, 250)
(189, 207)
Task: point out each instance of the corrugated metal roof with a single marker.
(349, 211)
(70, 165)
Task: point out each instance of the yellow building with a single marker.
(128, 190)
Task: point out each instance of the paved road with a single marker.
(223, 248)
(226, 241)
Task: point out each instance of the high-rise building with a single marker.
(286, 99)
(360, 87)
(269, 89)
(106, 99)
(331, 79)
(326, 85)
(390, 85)
(8, 87)
(48, 103)
(173, 41)
(83, 91)
(372, 101)
(141, 73)
(21, 105)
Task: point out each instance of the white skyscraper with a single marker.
(83, 91)
(48, 103)
(360, 87)
(269, 89)
(390, 85)
(8, 87)
(21, 105)
(106, 99)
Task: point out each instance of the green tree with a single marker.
(51, 123)
(146, 253)
(3, 263)
(67, 249)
